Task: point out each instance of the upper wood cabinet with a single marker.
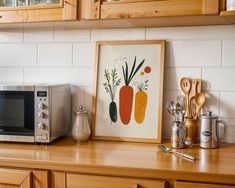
(13, 11)
(106, 9)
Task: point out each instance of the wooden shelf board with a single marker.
(228, 13)
(131, 23)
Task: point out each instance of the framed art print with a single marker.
(128, 94)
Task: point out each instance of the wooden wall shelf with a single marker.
(227, 13)
(174, 21)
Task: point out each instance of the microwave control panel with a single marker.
(42, 123)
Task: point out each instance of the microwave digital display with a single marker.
(42, 94)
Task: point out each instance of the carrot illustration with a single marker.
(111, 84)
(141, 99)
(126, 93)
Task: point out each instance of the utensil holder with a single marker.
(191, 126)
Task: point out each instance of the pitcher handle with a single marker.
(218, 123)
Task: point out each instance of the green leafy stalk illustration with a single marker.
(110, 85)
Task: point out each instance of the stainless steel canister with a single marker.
(210, 128)
(178, 139)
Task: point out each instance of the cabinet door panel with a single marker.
(87, 181)
(156, 8)
(179, 184)
(10, 178)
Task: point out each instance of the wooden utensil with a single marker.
(191, 96)
(199, 86)
(185, 85)
(199, 100)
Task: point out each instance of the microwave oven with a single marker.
(37, 113)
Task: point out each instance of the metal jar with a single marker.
(209, 130)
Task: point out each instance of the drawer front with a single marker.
(87, 181)
(179, 184)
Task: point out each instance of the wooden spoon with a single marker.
(185, 85)
(192, 94)
(200, 100)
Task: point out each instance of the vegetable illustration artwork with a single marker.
(126, 93)
(141, 99)
(111, 84)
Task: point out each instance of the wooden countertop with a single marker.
(123, 159)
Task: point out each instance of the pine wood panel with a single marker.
(65, 11)
(130, 160)
(41, 179)
(58, 179)
(10, 178)
(88, 181)
(199, 185)
(158, 8)
(88, 9)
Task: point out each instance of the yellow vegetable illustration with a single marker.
(141, 99)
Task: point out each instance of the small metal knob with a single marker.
(41, 114)
(41, 126)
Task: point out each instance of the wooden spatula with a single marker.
(185, 85)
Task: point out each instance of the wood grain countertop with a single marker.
(123, 159)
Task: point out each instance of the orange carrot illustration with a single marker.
(141, 99)
(126, 93)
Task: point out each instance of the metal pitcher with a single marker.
(210, 128)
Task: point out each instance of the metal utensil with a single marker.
(185, 85)
(200, 100)
(177, 153)
(170, 106)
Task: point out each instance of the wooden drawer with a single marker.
(87, 181)
(179, 184)
(155, 8)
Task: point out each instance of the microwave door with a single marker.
(17, 113)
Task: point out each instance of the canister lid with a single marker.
(208, 115)
(81, 110)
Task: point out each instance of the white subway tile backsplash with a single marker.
(84, 54)
(205, 32)
(18, 54)
(228, 55)
(11, 75)
(166, 128)
(11, 35)
(173, 75)
(227, 104)
(76, 76)
(194, 53)
(212, 102)
(88, 101)
(78, 97)
(38, 34)
(59, 55)
(55, 54)
(118, 34)
(71, 35)
(220, 79)
(229, 130)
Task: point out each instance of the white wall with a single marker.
(68, 55)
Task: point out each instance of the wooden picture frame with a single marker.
(128, 91)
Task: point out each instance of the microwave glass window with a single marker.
(12, 111)
(16, 112)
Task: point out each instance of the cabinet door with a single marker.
(179, 184)
(14, 11)
(87, 181)
(10, 178)
(156, 8)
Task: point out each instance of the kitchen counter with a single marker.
(123, 159)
